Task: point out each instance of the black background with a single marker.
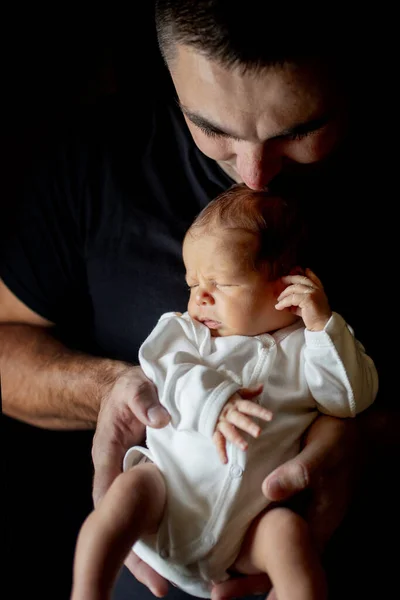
(54, 60)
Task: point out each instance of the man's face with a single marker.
(257, 125)
(226, 293)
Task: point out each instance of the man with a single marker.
(94, 258)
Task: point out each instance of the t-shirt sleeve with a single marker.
(42, 254)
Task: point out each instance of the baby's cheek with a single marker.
(190, 306)
(243, 312)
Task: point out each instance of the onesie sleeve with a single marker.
(341, 376)
(192, 392)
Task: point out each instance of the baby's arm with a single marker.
(192, 391)
(342, 377)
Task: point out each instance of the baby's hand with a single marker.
(305, 296)
(233, 417)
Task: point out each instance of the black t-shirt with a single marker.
(96, 248)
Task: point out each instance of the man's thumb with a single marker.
(286, 480)
(296, 474)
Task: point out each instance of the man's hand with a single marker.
(145, 574)
(130, 405)
(329, 466)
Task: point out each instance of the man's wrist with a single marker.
(109, 374)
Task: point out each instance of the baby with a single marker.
(258, 355)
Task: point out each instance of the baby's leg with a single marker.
(279, 543)
(133, 506)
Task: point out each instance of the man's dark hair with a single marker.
(249, 34)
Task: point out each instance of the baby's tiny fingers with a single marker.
(296, 290)
(254, 410)
(230, 432)
(290, 280)
(220, 443)
(314, 278)
(293, 300)
(242, 422)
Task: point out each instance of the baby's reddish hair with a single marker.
(277, 223)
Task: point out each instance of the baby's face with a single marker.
(226, 293)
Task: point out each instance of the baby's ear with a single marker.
(278, 286)
(297, 271)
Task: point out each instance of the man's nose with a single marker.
(203, 297)
(258, 165)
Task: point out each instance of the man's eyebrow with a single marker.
(306, 126)
(300, 128)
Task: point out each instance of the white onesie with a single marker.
(210, 505)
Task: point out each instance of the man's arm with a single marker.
(44, 383)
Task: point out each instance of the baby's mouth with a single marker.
(211, 324)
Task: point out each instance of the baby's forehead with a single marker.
(227, 238)
(221, 245)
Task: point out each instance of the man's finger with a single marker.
(241, 586)
(146, 406)
(146, 575)
(297, 474)
(132, 403)
(287, 480)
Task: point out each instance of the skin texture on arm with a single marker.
(43, 382)
(47, 385)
